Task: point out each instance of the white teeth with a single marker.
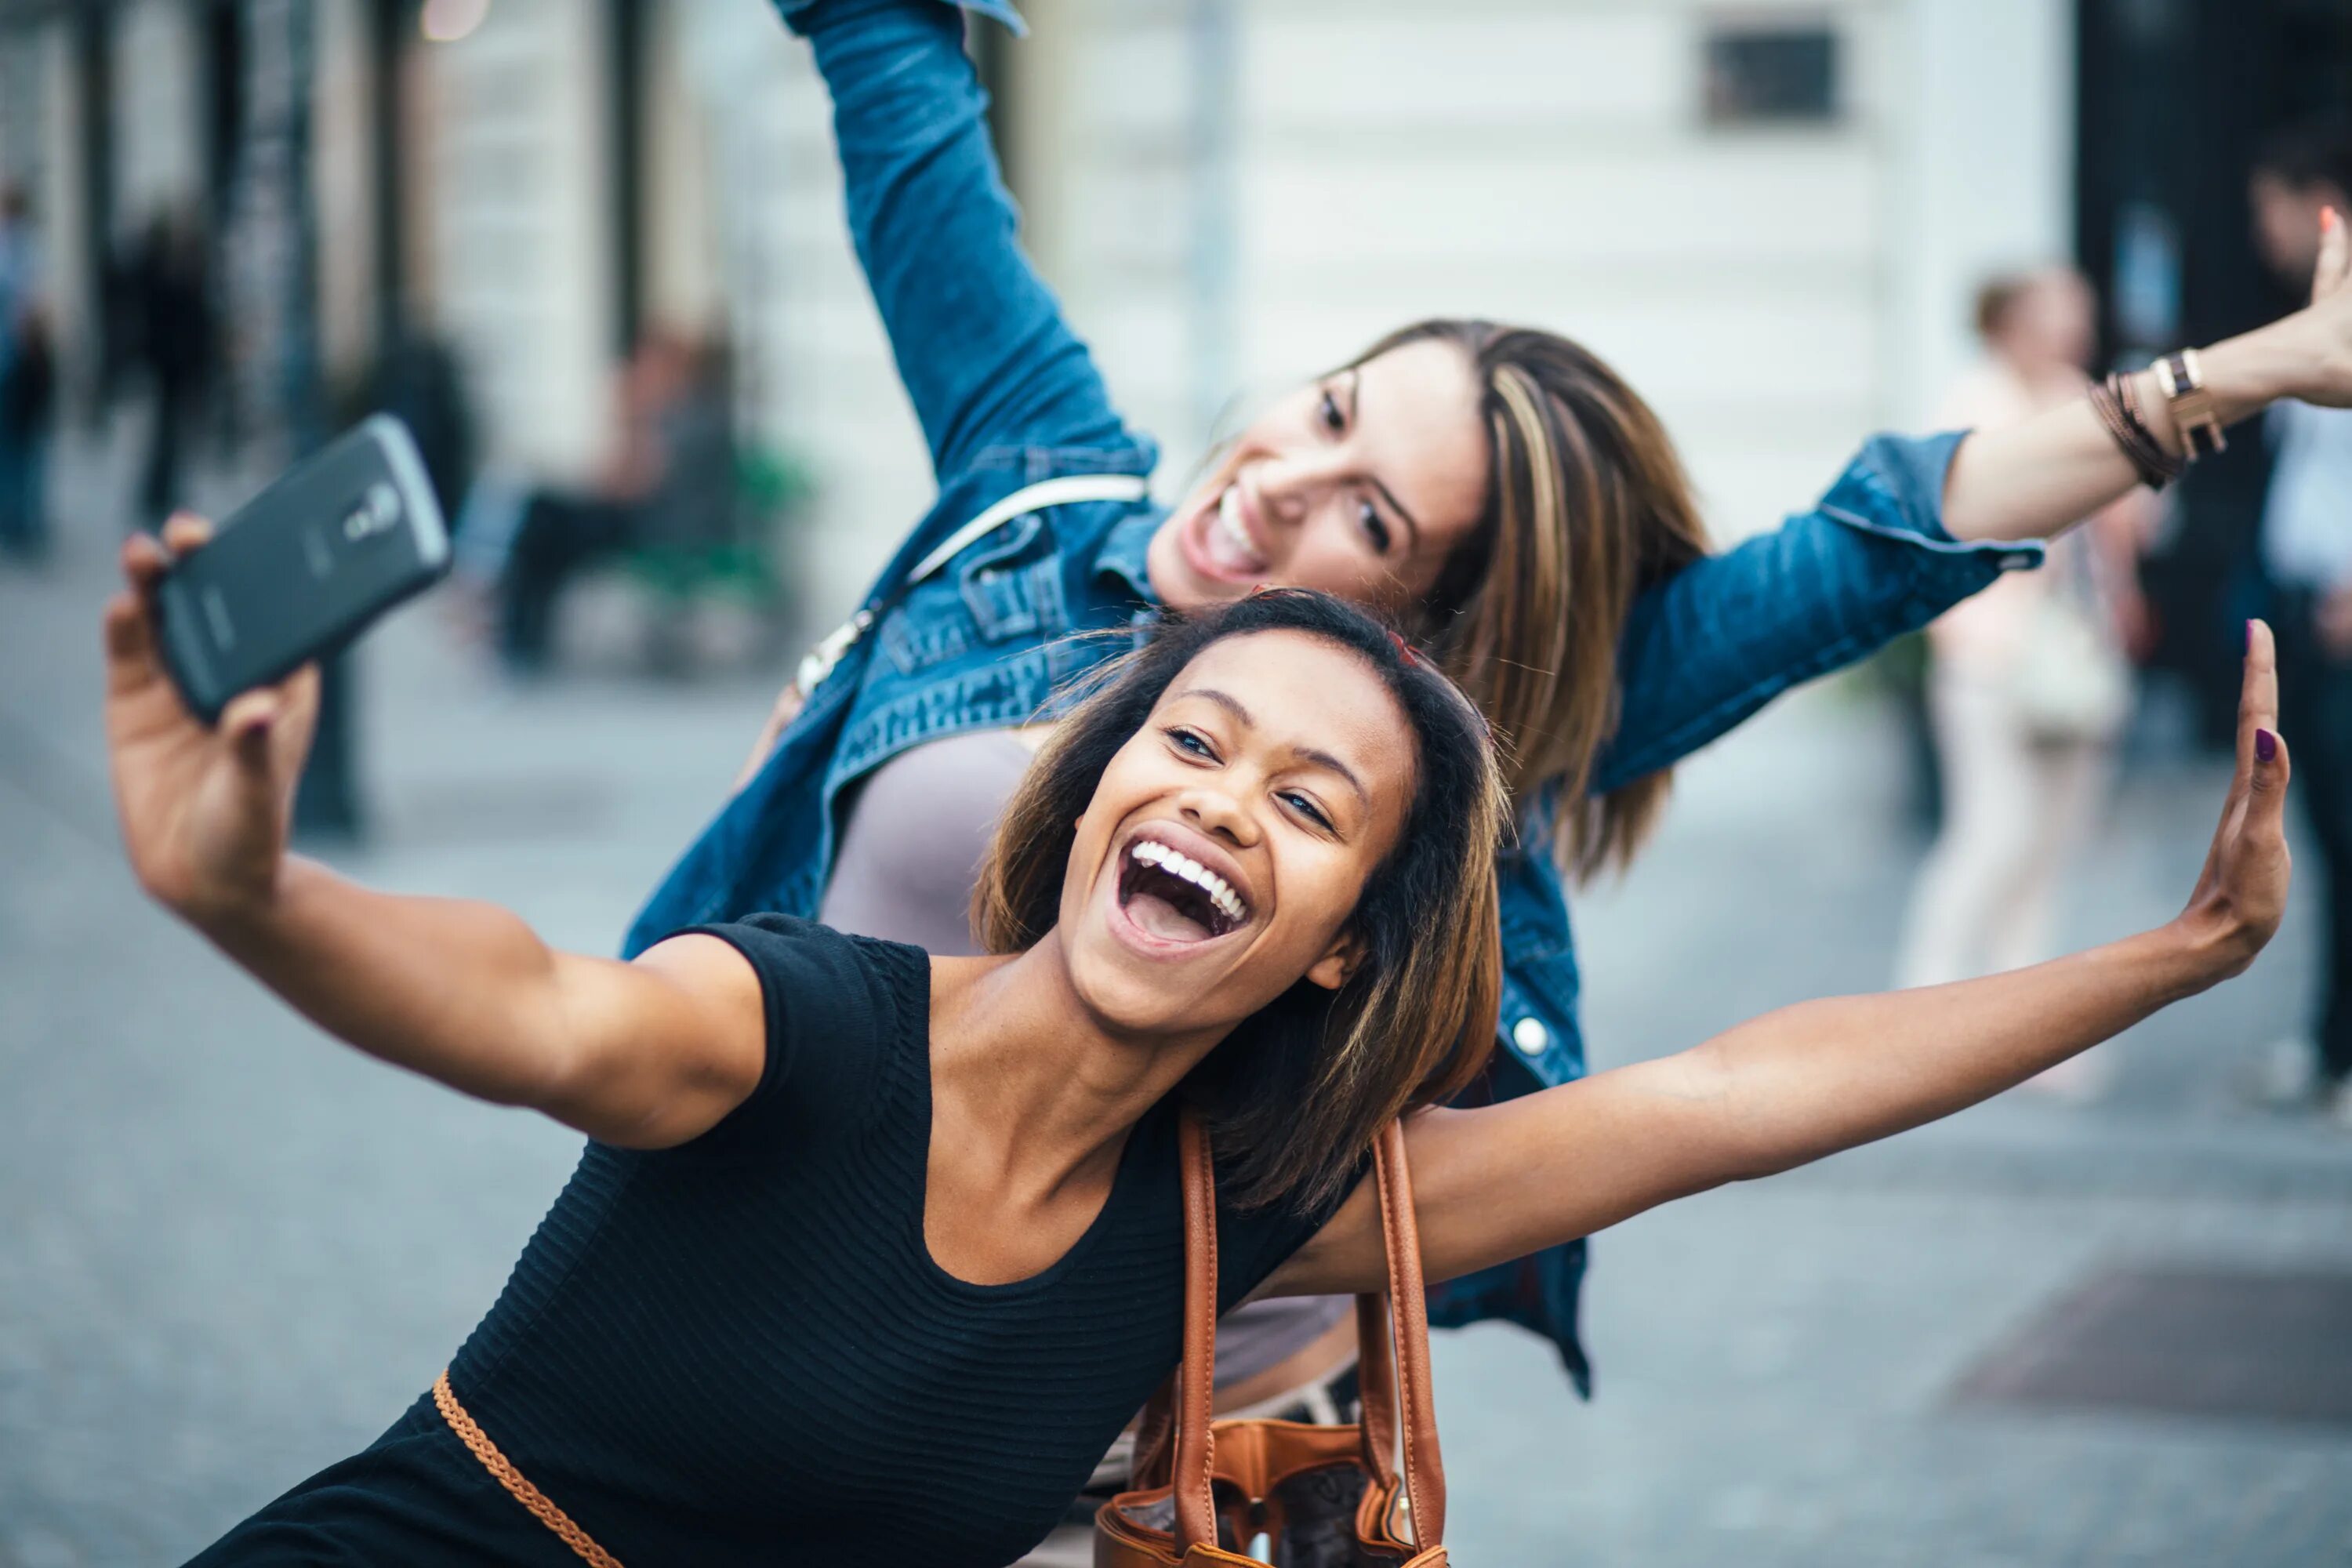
(1230, 538)
(1220, 891)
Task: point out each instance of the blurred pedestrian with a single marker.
(27, 383)
(671, 477)
(2029, 682)
(2301, 190)
(176, 343)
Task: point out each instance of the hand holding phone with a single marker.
(303, 568)
(205, 807)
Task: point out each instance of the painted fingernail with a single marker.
(2265, 746)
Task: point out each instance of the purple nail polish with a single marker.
(2265, 745)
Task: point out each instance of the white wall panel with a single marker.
(1615, 69)
(1793, 198)
(518, 179)
(158, 111)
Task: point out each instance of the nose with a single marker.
(1288, 487)
(1219, 815)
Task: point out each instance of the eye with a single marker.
(1376, 528)
(1305, 807)
(1191, 741)
(1333, 420)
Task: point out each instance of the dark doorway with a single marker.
(2175, 97)
(627, 31)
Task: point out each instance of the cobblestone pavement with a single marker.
(234, 1252)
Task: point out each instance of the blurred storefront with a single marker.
(1770, 214)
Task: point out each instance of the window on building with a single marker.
(1762, 73)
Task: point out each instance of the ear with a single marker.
(1337, 966)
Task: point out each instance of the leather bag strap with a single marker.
(1400, 1409)
(1424, 1468)
(1196, 1375)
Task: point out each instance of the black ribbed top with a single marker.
(741, 1351)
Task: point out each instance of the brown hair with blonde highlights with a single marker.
(1587, 504)
(1295, 1097)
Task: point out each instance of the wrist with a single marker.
(2249, 372)
(2201, 947)
(244, 909)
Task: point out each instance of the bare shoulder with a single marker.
(705, 965)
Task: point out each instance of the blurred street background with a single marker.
(2112, 1324)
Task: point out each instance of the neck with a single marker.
(1023, 1069)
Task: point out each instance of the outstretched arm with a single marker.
(1502, 1181)
(647, 1055)
(980, 341)
(2042, 475)
(1911, 529)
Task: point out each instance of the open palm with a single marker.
(2241, 895)
(2326, 326)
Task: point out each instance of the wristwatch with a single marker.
(2183, 380)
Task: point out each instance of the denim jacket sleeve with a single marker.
(980, 341)
(1710, 645)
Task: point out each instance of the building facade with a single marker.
(1770, 216)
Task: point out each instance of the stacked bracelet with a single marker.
(2117, 403)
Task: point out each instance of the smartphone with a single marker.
(303, 567)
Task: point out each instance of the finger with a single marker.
(298, 714)
(144, 562)
(185, 531)
(2266, 794)
(2257, 708)
(130, 643)
(2335, 253)
(248, 722)
(2258, 691)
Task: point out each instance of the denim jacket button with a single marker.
(1530, 1035)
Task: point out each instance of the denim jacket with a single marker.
(1007, 395)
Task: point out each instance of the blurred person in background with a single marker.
(2029, 682)
(670, 476)
(1500, 491)
(27, 383)
(175, 339)
(2301, 191)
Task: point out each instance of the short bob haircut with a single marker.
(1294, 1098)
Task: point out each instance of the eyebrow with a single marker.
(1242, 715)
(1355, 414)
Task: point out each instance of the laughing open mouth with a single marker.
(1176, 898)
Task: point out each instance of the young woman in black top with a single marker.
(836, 1192)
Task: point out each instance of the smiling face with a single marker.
(1360, 484)
(1229, 838)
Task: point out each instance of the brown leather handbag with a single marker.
(1322, 1497)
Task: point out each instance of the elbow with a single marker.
(1745, 1142)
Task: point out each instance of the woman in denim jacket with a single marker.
(1500, 491)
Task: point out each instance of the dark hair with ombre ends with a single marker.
(1294, 1098)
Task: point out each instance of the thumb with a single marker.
(2328, 274)
(2266, 789)
(247, 723)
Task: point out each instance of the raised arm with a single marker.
(1503, 1181)
(645, 1055)
(1914, 527)
(2039, 476)
(980, 341)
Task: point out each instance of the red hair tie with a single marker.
(1412, 655)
